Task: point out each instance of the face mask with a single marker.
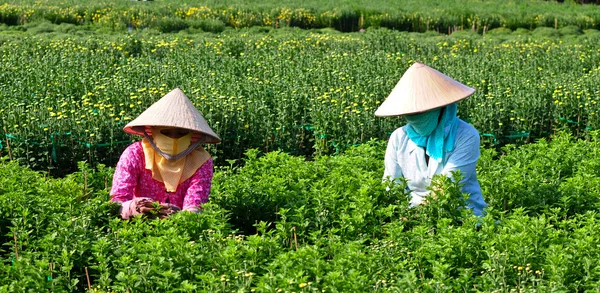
(171, 146)
(424, 123)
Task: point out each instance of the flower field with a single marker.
(66, 98)
(297, 202)
(283, 224)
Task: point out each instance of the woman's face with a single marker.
(424, 123)
(175, 133)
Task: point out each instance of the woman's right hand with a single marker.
(143, 205)
(151, 208)
(148, 207)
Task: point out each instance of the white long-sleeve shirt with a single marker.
(403, 158)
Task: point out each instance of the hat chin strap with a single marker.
(171, 157)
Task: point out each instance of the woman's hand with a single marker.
(152, 208)
(143, 205)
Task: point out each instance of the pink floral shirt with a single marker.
(132, 179)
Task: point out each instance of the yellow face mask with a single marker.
(172, 171)
(170, 146)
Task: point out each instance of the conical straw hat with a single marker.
(420, 89)
(173, 110)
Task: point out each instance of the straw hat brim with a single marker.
(173, 110)
(421, 89)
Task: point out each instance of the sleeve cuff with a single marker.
(192, 209)
(126, 211)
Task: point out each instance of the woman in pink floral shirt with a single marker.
(168, 170)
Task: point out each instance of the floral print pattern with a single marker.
(132, 179)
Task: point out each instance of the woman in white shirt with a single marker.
(434, 140)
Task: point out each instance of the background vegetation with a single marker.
(298, 204)
(407, 15)
(67, 98)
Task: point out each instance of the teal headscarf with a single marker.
(425, 131)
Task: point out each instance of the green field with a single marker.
(409, 15)
(297, 203)
(283, 224)
(66, 99)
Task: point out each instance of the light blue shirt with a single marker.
(403, 158)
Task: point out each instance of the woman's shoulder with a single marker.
(467, 128)
(135, 147)
(467, 133)
(133, 150)
(399, 132)
(399, 139)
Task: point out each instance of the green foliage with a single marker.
(555, 176)
(316, 95)
(327, 224)
(323, 221)
(546, 32)
(412, 15)
(209, 25)
(500, 31)
(43, 27)
(304, 195)
(170, 25)
(67, 28)
(570, 30)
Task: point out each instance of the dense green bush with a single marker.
(43, 27)
(546, 32)
(209, 25)
(558, 177)
(328, 224)
(570, 30)
(170, 25)
(500, 31)
(67, 28)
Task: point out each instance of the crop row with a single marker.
(65, 100)
(410, 15)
